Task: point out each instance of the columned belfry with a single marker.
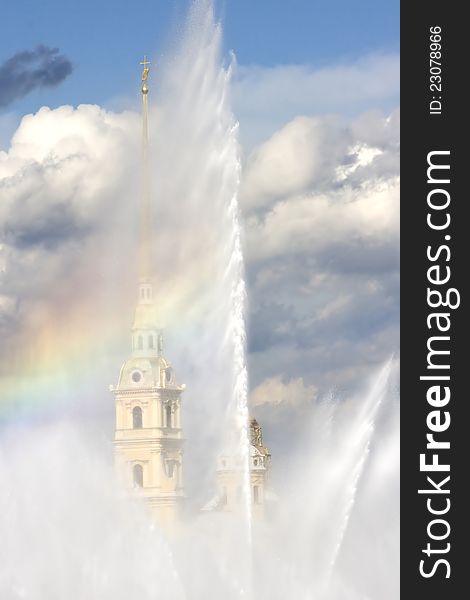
(148, 438)
(230, 477)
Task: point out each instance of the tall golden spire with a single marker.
(146, 336)
(145, 214)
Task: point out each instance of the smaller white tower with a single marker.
(230, 478)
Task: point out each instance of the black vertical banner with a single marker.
(435, 237)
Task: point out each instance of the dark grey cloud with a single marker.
(362, 311)
(263, 332)
(51, 229)
(320, 321)
(31, 69)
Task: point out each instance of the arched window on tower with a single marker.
(255, 494)
(168, 415)
(151, 342)
(138, 476)
(137, 417)
(140, 343)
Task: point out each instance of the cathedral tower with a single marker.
(230, 477)
(148, 437)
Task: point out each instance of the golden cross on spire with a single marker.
(145, 72)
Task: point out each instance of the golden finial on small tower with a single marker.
(145, 74)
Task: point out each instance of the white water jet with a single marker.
(237, 336)
(357, 447)
(68, 531)
(196, 141)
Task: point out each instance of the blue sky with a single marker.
(104, 40)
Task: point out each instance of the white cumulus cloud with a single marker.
(274, 391)
(265, 98)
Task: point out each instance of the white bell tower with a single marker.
(148, 436)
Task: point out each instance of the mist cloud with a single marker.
(31, 69)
